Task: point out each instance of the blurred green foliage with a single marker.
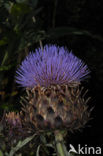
(19, 30)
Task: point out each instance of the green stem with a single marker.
(61, 149)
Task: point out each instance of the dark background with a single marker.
(77, 25)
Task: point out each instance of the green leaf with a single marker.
(8, 5)
(20, 145)
(5, 58)
(1, 153)
(65, 31)
(3, 41)
(50, 145)
(38, 149)
(43, 139)
(20, 9)
(4, 68)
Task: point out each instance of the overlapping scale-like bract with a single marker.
(55, 107)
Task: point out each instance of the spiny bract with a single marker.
(55, 107)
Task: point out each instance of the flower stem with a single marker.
(61, 149)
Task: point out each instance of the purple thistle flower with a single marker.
(51, 65)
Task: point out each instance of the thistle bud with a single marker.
(13, 120)
(13, 127)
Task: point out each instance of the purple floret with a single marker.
(52, 65)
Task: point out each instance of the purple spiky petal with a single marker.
(52, 65)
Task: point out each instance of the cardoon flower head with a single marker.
(51, 76)
(52, 65)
